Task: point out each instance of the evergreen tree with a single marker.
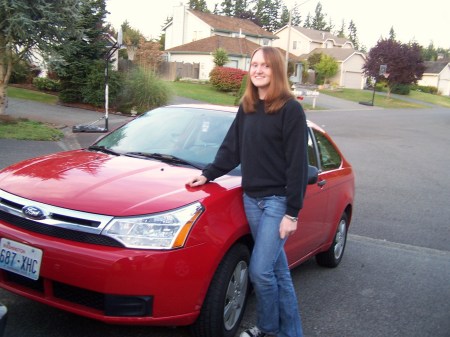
(296, 17)
(318, 21)
(268, 13)
(341, 31)
(352, 34)
(80, 55)
(308, 22)
(27, 27)
(199, 5)
(227, 7)
(391, 34)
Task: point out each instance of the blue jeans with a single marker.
(277, 306)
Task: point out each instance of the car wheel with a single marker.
(333, 256)
(224, 304)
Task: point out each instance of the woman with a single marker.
(269, 139)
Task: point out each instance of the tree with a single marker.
(429, 53)
(404, 62)
(131, 39)
(220, 57)
(308, 22)
(149, 55)
(392, 34)
(352, 36)
(341, 31)
(267, 13)
(284, 18)
(318, 21)
(79, 54)
(25, 31)
(326, 68)
(199, 5)
(227, 8)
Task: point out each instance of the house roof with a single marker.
(231, 24)
(435, 67)
(233, 45)
(321, 36)
(340, 54)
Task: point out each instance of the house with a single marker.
(437, 74)
(304, 42)
(350, 72)
(192, 36)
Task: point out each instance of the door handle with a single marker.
(321, 183)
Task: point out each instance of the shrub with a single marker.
(400, 89)
(144, 91)
(220, 57)
(46, 84)
(241, 91)
(93, 91)
(226, 79)
(428, 89)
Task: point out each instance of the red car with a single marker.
(111, 232)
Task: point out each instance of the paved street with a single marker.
(395, 275)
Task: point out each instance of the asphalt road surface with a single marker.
(394, 279)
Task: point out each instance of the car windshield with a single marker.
(188, 134)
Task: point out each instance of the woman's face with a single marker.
(260, 73)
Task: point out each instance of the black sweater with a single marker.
(272, 151)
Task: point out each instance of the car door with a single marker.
(310, 228)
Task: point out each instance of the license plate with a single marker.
(20, 259)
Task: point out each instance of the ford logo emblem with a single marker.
(33, 212)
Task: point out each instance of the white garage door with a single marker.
(352, 80)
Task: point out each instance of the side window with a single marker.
(312, 158)
(329, 157)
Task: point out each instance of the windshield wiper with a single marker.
(103, 149)
(166, 158)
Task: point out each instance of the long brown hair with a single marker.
(278, 92)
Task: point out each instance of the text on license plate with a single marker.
(20, 259)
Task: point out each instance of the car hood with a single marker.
(106, 184)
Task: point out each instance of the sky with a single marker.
(422, 22)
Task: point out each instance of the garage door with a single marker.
(352, 80)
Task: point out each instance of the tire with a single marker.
(333, 256)
(224, 305)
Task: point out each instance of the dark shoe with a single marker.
(253, 332)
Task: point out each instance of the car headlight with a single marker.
(166, 230)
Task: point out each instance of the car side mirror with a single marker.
(313, 174)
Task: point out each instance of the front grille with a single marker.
(107, 304)
(58, 232)
(55, 221)
(79, 296)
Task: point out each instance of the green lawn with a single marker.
(25, 129)
(202, 92)
(31, 95)
(381, 100)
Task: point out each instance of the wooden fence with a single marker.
(171, 71)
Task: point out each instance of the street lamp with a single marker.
(289, 32)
